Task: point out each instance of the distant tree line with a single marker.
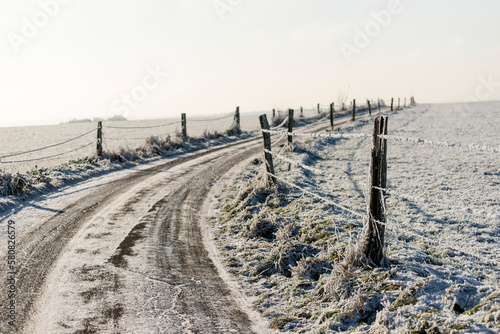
(97, 119)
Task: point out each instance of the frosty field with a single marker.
(287, 248)
(20, 139)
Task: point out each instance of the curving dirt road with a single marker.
(129, 257)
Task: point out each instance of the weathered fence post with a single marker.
(379, 105)
(372, 240)
(369, 108)
(301, 112)
(353, 110)
(319, 112)
(290, 126)
(392, 104)
(331, 115)
(99, 139)
(184, 126)
(270, 179)
(399, 103)
(274, 113)
(237, 119)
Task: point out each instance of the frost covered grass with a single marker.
(289, 249)
(15, 189)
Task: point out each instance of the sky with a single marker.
(148, 59)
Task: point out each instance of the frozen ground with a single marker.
(443, 233)
(116, 135)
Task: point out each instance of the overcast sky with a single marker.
(157, 58)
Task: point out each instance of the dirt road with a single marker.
(129, 257)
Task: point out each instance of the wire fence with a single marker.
(318, 194)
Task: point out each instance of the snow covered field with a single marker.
(20, 139)
(443, 233)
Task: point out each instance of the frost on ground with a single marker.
(16, 188)
(442, 238)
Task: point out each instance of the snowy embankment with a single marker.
(27, 186)
(286, 247)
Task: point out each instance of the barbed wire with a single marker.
(140, 127)
(324, 199)
(476, 212)
(46, 147)
(279, 126)
(321, 135)
(278, 141)
(210, 119)
(279, 156)
(441, 144)
(48, 157)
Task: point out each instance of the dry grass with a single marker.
(12, 185)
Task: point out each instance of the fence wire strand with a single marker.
(140, 127)
(50, 156)
(441, 144)
(324, 199)
(210, 119)
(46, 147)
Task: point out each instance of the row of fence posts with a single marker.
(236, 126)
(237, 119)
(372, 239)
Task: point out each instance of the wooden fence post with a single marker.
(301, 112)
(290, 126)
(331, 115)
(319, 112)
(399, 103)
(274, 113)
(99, 139)
(372, 240)
(237, 119)
(405, 103)
(379, 105)
(392, 104)
(270, 179)
(369, 107)
(353, 110)
(184, 126)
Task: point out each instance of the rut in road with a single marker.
(170, 239)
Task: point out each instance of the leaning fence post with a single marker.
(369, 108)
(353, 110)
(99, 139)
(331, 115)
(392, 104)
(290, 126)
(372, 242)
(237, 119)
(184, 126)
(270, 179)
